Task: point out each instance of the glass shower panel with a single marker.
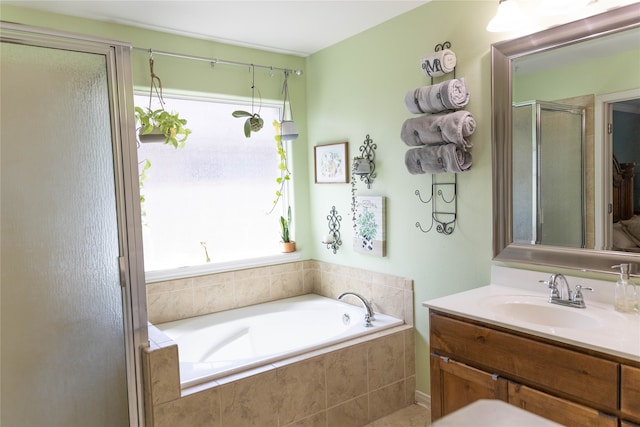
(63, 352)
(561, 195)
(548, 174)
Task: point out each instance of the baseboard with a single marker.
(423, 399)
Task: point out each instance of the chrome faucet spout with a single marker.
(367, 306)
(561, 292)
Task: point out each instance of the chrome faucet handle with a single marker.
(551, 284)
(577, 296)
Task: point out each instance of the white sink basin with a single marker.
(539, 311)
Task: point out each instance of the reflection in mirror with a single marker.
(555, 161)
(548, 190)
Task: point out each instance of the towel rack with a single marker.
(443, 199)
(443, 194)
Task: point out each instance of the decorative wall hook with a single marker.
(364, 166)
(332, 240)
(446, 219)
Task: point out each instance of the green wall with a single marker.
(598, 77)
(349, 90)
(356, 88)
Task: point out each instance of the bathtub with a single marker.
(219, 344)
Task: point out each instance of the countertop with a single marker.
(493, 413)
(606, 330)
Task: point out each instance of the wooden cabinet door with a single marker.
(630, 393)
(624, 423)
(454, 385)
(558, 410)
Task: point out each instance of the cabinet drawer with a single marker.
(586, 378)
(558, 410)
(455, 385)
(630, 393)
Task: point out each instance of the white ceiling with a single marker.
(298, 27)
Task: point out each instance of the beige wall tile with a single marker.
(286, 268)
(213, 298)
(386, 361)
(388, 300)
(164, 374)
(386, 400)
(316, 420)
(252, 273)
(354, 413)
(169, 286)
(410, 390)
(212, 279)
(167, 306)
(250, 402)
(346, 374)
(252, 291)
(286, 285)
(303, 391)
(196, 410)
(409, 352)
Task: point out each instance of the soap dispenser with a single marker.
(626, 294)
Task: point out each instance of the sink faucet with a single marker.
(368, 316)
(561, 292)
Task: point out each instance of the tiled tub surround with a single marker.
(194, 296)
(348, 384)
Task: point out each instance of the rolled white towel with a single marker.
(448, 95)
(439, 64)
(454, 127)
(437, 159)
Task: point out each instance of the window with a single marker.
(210, 198)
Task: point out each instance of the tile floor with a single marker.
(411, 416)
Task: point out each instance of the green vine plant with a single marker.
(285, 174)
(146, 164)
(169, 124)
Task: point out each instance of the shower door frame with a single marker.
(125, 167)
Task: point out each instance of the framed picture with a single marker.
(331, 163)
(370, 229)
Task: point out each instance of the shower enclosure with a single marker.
(548, 174)
(72, 283)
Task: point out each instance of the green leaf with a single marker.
(240, 113)
(247, 128)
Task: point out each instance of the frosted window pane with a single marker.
(217, 189)
(63, 354)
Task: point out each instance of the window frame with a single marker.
(220, 267)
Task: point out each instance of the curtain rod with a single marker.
(215, 61)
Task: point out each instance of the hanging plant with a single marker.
(160, 125)
(285, 174)
(254, 122)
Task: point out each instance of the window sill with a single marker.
(201, 270)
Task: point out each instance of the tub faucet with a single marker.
(368, 316)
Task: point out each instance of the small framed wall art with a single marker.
(331, 163)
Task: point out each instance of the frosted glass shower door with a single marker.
(63, 335)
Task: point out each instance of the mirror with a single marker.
(521, 75)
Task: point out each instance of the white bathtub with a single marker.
(219, 344)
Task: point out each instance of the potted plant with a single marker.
(160, 125)
(253, 123)
(288, 245)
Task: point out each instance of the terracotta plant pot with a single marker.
(288, 247)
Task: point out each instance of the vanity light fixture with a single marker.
(509, 17)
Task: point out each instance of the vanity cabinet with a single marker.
(630, 393)
(471, 360)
